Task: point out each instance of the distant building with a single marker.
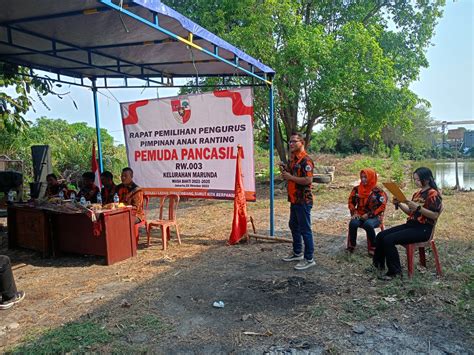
(469, 139)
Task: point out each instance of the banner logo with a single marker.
(181, 110)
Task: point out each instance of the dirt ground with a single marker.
(161, 302)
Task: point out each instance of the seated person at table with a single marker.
(423, 209)
(109, 189)
(367, 204)
(89, 190)
(9, 296)
(54, 187)
(130, 193)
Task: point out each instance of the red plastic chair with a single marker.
(165, 224)
(142, 223)
(421, 251)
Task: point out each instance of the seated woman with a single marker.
(54, 187)
(367, 204)
(88, 190)
(423, 209)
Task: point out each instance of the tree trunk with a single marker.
(279, 144)
(308, 131)
(315, 118)
(289, 117)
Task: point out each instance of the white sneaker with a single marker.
(10, 303)
(305, 264)
(293, 257)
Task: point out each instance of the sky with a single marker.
(447, 84)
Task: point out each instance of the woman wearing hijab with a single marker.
(423, 210)
(367, 204)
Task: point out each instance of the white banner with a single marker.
(188, 144)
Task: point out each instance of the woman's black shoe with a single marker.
(389, 277)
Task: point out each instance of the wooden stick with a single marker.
(273, 239)
(18, 266)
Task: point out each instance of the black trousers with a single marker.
(385, 244)
(7, 283)
(368, 225)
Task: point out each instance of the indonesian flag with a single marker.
(239, 223)
(95, 168)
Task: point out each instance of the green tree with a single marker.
(418, 140)
(396, 169)
(414, 136)
(337, 61)
(70, 144)
(14, 107)
(324, 140)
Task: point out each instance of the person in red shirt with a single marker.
(88, 190)
(423, 209)
(54, 187)
(366, 204)
(131, 194)
(109, 189)
(299, 175)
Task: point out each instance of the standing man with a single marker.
(299, 175)
(130, 193)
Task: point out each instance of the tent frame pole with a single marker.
(178, 38)
(272, 179)
(97, 123)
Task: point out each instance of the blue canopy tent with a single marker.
(94, 41)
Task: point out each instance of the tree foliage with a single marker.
(339, 62)
(416, 141)
(419, 139)
(14, 107)
(70, 144)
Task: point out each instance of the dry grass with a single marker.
(170, 293)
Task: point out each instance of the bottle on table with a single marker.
(73, 196)
(11, 196)
(116, 200)
(61, 195)
(99, 198)
(83, 201)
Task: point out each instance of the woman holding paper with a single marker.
(423, 210)
(367, 204)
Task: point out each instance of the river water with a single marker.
(445, 172)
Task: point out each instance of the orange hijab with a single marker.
(365, 190)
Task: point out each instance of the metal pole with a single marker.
(97, 124)
(457, 187)
(443, 148)
(272, 178)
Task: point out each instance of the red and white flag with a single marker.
(95, 168)
(239, 223)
